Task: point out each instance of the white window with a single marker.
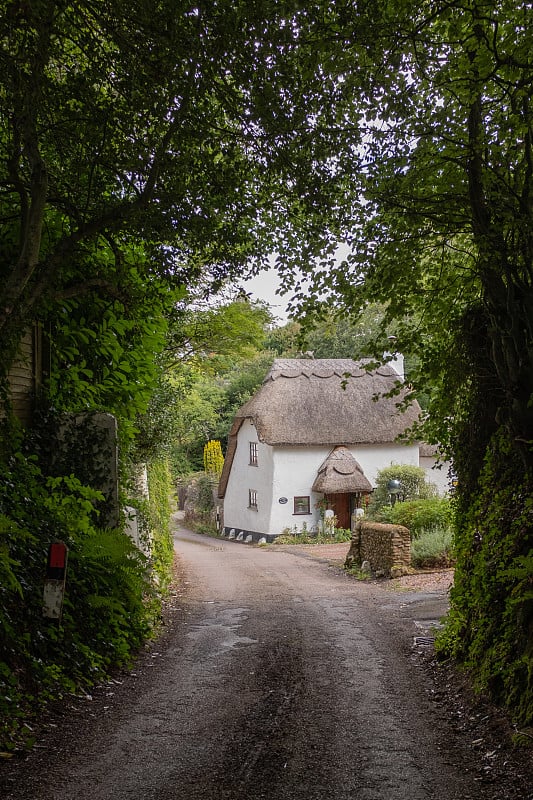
(253, 454)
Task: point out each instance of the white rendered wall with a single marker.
(437, 474)
(295, 470)
(289, 472)
(374, 457)
(244, 476)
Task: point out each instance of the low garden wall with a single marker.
(386, 548)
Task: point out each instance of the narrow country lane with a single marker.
(281, 678)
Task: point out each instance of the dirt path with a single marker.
(278, 677)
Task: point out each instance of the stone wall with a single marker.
(198, 498)
(386, 548)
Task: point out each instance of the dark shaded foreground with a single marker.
(278, 677)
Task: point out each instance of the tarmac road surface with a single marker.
(280, 677)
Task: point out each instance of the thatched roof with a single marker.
(327, 402)
(340, 473)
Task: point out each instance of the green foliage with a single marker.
(441, 238)
(413, 485)
(197, 495)
(105, 616)
(214, 337)
(213, 458)
(203, 346)
(432, 548)
(109, 607)
(161, 491)
(196, 420)
(205, 485)
(129, 148)
(157, 428)
(103, 354)
(491, 616)
(296, 536)
(420, 515)
(207, 406)
(343, 335)
(204, 526)
(237, 386)
(129, 172)
(286, 341)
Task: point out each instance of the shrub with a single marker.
(213, 458)
(489, 626)
(413, 486)
(295, 536)
(419, 515)
(199, 498)
(161, 491)
(432, 548)
(110, 605)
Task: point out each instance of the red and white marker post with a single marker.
(54, 584)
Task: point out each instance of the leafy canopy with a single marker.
(194, 136)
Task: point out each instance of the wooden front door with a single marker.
(340, 503)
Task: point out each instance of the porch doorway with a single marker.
(343, 505)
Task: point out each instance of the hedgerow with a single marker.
(420, 515)
(110, 605)
(490, 627)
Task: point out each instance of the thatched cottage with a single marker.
(315, 434)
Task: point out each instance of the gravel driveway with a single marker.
(278, 676)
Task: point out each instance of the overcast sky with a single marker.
(263, 287)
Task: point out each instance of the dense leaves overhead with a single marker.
(204, 131)
(442, 192)
(442, 237)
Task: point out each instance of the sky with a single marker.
(263, 287)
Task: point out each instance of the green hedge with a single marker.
(111, 602)
(420, 515)
(490, 625)
(412, 486)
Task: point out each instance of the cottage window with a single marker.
(302, 505)
(252, 498)
(253, 454)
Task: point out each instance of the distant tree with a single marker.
(214, 334)
(202, 343)
(286, 341)
(345, 335)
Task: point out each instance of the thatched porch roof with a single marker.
(340, 473)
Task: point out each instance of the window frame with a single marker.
(253, 454)
(300, 497)
(252, 499)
